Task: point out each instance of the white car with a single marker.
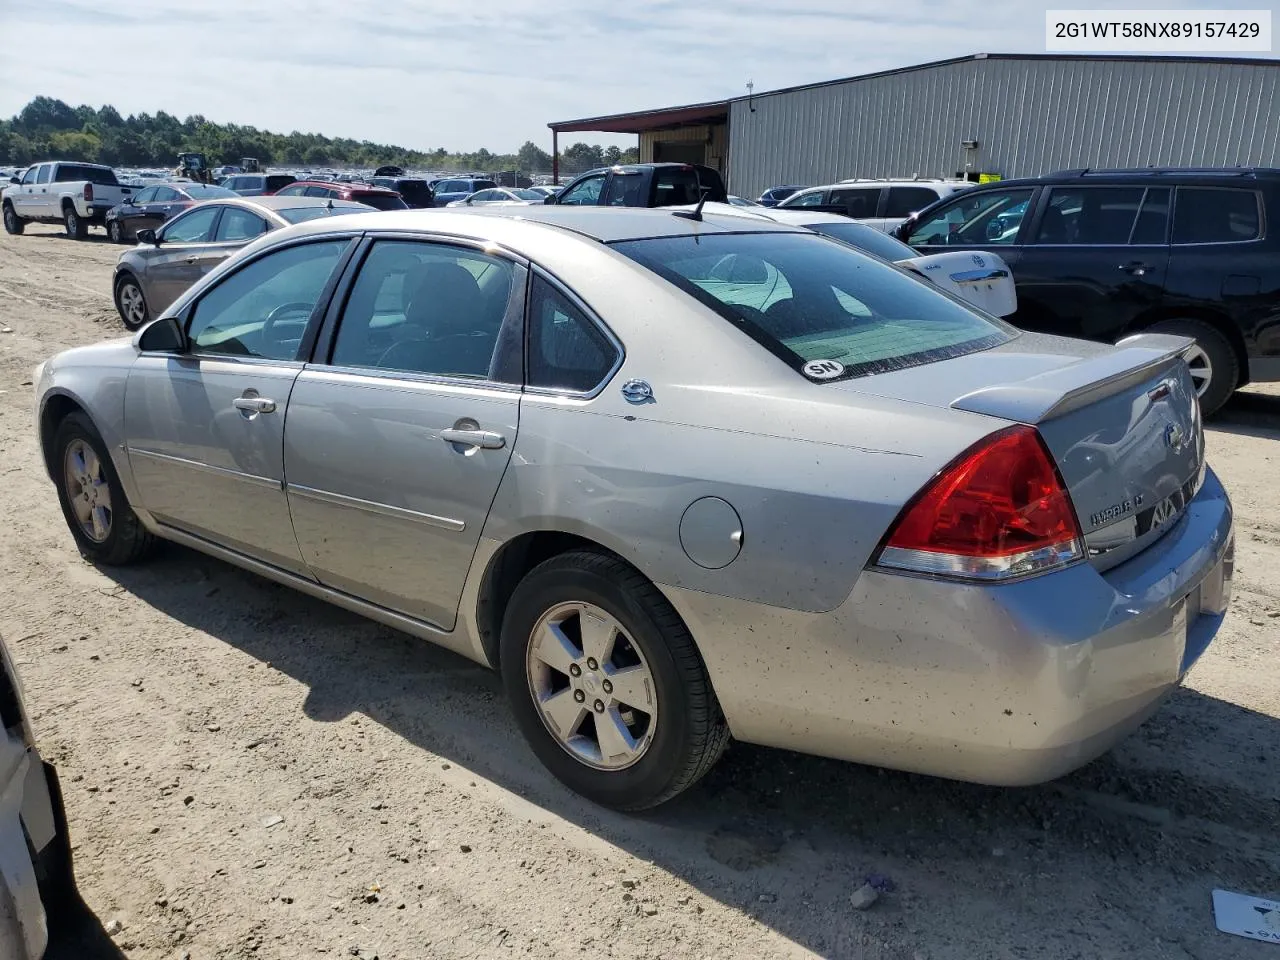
(501, 197)
(883, 204)
(76, 195)
(975, 276)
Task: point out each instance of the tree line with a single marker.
(49, 129)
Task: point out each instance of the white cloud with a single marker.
(429, 73)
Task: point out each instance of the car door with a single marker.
(132, 213)
(42, 202)
(162, 205)
(178, 263)
(204, 428)
(23, 195)
(1095, 260)
(397, 437)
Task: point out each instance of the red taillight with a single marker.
(1000, 510)
(88, 191)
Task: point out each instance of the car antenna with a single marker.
(696, 212)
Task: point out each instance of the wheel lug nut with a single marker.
(591, 663)
(599, 706)
(579, 696)
(575, 670)
(608, 687)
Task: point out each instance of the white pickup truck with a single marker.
(76, 195)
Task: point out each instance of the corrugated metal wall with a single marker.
(1030, 117)
(715, 150)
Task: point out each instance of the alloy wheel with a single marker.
(87, 490)
(1201, 368)
(592, 686)
(132, 305)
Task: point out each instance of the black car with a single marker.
(258, 184)
(152, 206)
(1103, 254)
(775, 195)
(415, 191)
(643, 185)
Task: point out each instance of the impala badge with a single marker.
(1175, 437)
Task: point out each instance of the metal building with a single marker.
(1005, 115)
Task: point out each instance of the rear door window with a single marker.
(860, 203)
(904, 201)
(239, 225)
(822, 307)
(45, 170)
(1153, 219)
(1091, 216)
(566, 351)
(1216, 215)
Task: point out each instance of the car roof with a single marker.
(358, 185)
(272, 204)
(513, 224)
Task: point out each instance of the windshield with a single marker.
(74, 172)
(822, 307)
(302, 214)
(865, 238)
(201, 191)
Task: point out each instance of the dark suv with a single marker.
(1104, 253)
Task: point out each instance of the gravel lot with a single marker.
(190, 706)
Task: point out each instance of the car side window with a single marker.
(263, 309)
(1216, 215)
(904, 201)
(480, 196)
(193, 227)
(566, 351)
(239, 225)
(989, 218)
(1096, 216)
(625, 190)
(422, 307)
(585, 194)
(815, 199)
(1152, 225)
(45, 171)
(860, 203)
(166, 195)
(291, 191)
(316, 192)
(144, 196)
(30, 176)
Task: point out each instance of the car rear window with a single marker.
(382, 201)
(1215, 215)
(823, 307)
(482, 184)
(73, 173)
(204, 191)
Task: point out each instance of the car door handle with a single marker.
(1137, 268)
(485, 439)
(254, 404)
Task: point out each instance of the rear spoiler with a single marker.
(1048, 395)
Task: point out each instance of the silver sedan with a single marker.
(679, 477)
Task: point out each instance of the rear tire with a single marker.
(674, 718)
(1215, 368)
(12, 222)
(76, 228)
(113, 536)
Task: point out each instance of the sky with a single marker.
(440, 73)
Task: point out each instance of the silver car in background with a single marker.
(171, 258)
(679, 477)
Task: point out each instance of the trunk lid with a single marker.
(1121, 421)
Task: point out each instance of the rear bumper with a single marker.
(1011, 684)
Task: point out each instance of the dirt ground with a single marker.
(250, 773)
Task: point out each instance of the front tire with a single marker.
(12, 222)
(115, 232)
(75, 226)
(131, 304)
(105, 528)
(606, 683)
(1215, 369)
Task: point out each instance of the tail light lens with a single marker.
(88, 191)
(998, 511)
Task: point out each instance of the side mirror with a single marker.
(550, 199)
(162, 336)
(148, 236)
(15, 180)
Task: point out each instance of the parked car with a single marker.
(379, 198)
(775, 195)
(983, 280)
(643, 185)
(1103, 254)
(813, 504)
(884, 204)
(258, 184)
(501, 196)
(152, 206)
(37, 880)
(77, 195)
(413, 190)
(168, 260)
(445, 191)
